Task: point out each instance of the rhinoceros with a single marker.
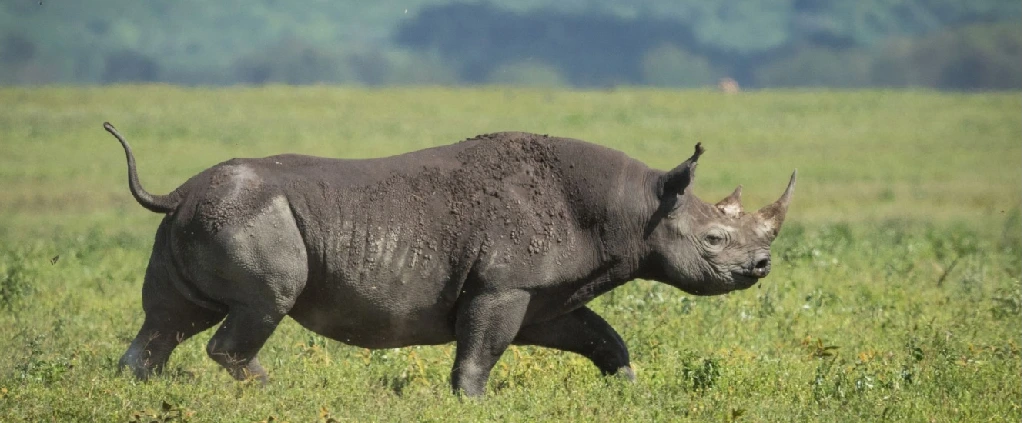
(498, 240)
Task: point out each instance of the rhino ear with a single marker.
(680, 179)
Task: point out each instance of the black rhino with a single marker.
(496, 240)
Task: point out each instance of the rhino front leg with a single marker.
(583, 332)
(485, 325)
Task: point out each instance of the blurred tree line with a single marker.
(946, 44)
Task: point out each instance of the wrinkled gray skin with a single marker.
(497, 240)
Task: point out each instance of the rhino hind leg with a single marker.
(238, 340)
(170, 320)
(257, 268)
(586, 333)
(261, 290)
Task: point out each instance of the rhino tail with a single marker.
(155, 203)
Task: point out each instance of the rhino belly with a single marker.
(378, 312)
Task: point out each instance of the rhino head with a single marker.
(709, 249)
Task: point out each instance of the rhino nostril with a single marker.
(762, 264)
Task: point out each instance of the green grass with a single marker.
(896, 293)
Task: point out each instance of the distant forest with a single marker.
(943, 44)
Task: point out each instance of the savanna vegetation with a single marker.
(895, 294)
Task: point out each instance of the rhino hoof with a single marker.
(626, 372)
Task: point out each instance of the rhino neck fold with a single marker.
(624, 249)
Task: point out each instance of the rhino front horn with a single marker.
(775, 213)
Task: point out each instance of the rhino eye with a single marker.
(714, 239)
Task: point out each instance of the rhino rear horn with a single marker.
(774, 214)
(731, 205)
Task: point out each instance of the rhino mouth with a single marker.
(755, 272)
(745, 279)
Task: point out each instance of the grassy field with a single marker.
(896, 293)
